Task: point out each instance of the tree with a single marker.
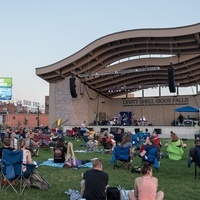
(25, 122)
(19, 123)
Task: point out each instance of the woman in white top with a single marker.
(27, 159)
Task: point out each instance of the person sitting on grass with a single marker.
(145, 187)
(174, 147)
(95, 182)
(71, 160)
(31, 145)
(60, 151)
(92, 145)
(106, 142)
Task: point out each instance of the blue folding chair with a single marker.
(152, 157)
(140, 137)
(122, 156)
(135, 141)
(12, 175)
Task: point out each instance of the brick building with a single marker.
(17, 115)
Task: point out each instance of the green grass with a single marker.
(175, 179)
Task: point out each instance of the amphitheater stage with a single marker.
(163, 131)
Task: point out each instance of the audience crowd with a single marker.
(148, 144)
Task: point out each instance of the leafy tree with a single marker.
(25, 122)
(19, 123)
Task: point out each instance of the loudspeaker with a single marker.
(158, 130)
(72, 85)
(171, 80)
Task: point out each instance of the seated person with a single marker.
(157, 140)
(60, 151)
(27, 159)
(145, 186)
(174, 147)
(191, 158)
(111, 136)
(106, 141)
(92, 145)
(53, 139)
(150, 152)
(86, 135)
(71, 160)
(126, 142)
(146, 134)
(6, 145)
(94, 183)
(31, 145)
(118, 135)
(13, 140)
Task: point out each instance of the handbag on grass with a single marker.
(117, 193)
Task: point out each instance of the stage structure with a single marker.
(108, 69)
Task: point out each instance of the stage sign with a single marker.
(5, 88)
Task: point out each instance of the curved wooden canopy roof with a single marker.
(119, 63)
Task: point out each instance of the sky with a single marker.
(37, 33)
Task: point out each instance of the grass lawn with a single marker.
(175, 179)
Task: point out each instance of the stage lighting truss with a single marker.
(120, 72)
(134, 88)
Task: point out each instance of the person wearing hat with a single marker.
(192, 150)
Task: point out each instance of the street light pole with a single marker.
(38, 118)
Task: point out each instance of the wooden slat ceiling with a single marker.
(129, 50)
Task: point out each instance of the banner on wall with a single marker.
(156, 101)
(5, 88)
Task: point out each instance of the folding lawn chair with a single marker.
(152, 157)
(12, 175)
(122, 156)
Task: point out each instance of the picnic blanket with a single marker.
(51, 163)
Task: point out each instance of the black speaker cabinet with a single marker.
(171, 80)
(158, 130)
(72, 85)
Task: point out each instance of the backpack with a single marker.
(113, 193)
(38, 181)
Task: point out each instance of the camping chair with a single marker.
(152, 157)
(174, 152)
(134, 140)
(12, 175)
(197, 159)
(122, 156)
(140, 137)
